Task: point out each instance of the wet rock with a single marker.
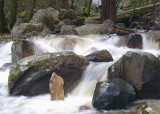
(48, 17)
(56, 87)
(100, 56)
(66, 14)
(92, 20)
(25, 30)
(21, 49)
(151, 107)
(67, 29)
(105, 28)
(114, 94)
(84, 107)
(5, 66)
(141, 70)
(30, 76)
(135, 41)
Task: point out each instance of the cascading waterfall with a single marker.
(83, 92)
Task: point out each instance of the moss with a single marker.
(143, 109)
(22, 14)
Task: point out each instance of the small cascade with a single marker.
(94, 73)
(83, 92)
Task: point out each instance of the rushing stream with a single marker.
(83, 92)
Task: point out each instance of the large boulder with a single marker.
(78, 21)
(114, 94)
(67, 29)
(92, 20)
(48, 17)
(21, 49)
(27, 30)
(105, 28)
(30, 76)
(56, 87)
(135, 41)
(141, 70)
(67, 14)
(100, 56)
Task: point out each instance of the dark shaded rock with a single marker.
(105, 28)
(30, 76)
(66, 14)
(114, 94)
(100, 56)
(135, 41)
(141, 70)
(56, 87)
(21, 49)
(67, 29)
(27, 30)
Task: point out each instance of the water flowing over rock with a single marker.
(21, 49)
(141, 70)
(85, 107)
(100, 56)
(30, 76)
(56, 87)
(135, 41)
(27, 30)
(114, 94)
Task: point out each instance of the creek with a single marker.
(83, 92)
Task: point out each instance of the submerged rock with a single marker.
(84, 107)
(135, 41)
(100, 56)
(21, 49)
(56, 87)
(30, 76)
(141, 70)
(114, 94)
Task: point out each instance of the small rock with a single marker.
(100, 56)
(56, 87)
(85, 107)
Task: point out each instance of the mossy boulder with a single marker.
(30, 76)
(141, 70)
(26, 30)
(114, 94)
(100, 56)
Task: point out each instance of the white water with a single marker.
(83, 92)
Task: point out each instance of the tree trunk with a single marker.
(13, 13)
(64, 4)
(89, 7)
(3, 28)
(72, 2)
(31, 6)
(108, 10)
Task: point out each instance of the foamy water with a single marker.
(83, 92)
